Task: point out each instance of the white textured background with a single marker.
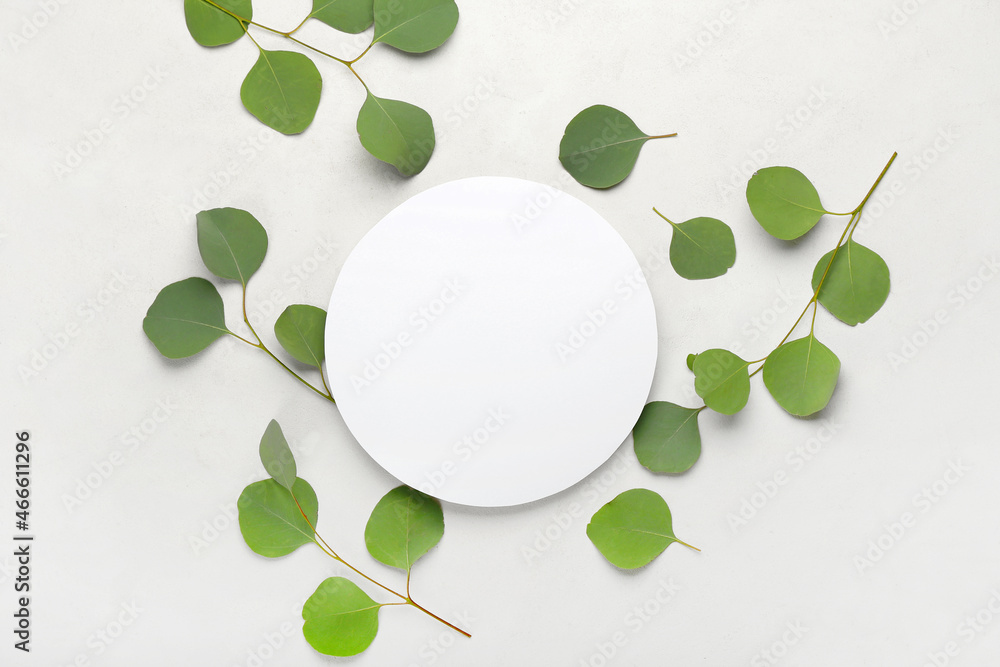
(87, 251)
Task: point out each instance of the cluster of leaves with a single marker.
(278, 515)
(283, 88)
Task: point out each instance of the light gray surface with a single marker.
(120, 226)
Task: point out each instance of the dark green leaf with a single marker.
(396, 132)
(185, 318)
(351, 16)
(282, 90)
(210, 26)
(270, 520)
(340, 618)
(632, 529)
(404, 526)
(722, 379)
(415, 26)
(801, 375)
(277, 456)
(300, 329)
(702, 248)
(784, 202)
(232, 243)
(666, 437)
(856, 285)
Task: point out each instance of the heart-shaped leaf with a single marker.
(351, 16)
(415, 26)
(232, 243)
(722, 380)
(666, 437)
(701, 248)
(340, 618)
(277, 456)
(396, 132)
(185, 318)
(270, 520)
(784, 202)
(404, 525)
(301, 329)
(282, 90)
(801, 375)
(856, 285)
(632, 529)
(211, 26)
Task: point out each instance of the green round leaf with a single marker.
(404, 525)
(722, 379)
(702, 248)
(690, 361)
(282, 90)
(300, 329)
(666, 437)
(600, 146)
(277, 456)
(210, 26)
(340, 618)
(351, 16)
(632, 529)
(856, 285)
(801, 375)
(784, 202)
(232, 243)
(415, 26)
(185, 318)
(396, 132)
(271, 522)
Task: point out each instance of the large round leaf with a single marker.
(784, 202)
(632, 529)
(801, 375)
(722, 380)
(340, 618)
(404, 525)
(282, 90)
(600, 146)
(185, 318)
(301, 329)
(415, 26)
(277, 456)
(232, 243)
(351, 16)
(270, 520)
(702, 248)
(396, 132)
(856, 285)
(666, 437)
(210, 26)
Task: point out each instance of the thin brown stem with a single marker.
(438, 618)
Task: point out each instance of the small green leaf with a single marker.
(396, 132)
(666, 437)
(270, 520)
(722, 379)
(415, 26)
(801, 375)
(351, 16)
(340, 618)
(632, 529)
(282, 90)
(784, 202)
(232, 243)
(277, 456)
(702, 248)
(185, 318)
(210, 26)
(856, 285)
(690, 361)
(404, 526)
(301, 329)
(600, 146)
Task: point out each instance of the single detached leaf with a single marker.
(722, 379)
(404, 526)
(351, 16)
(185, 318)
(415, 26)
(600, 146)
(396, 132)
(666, 437)
(210, 26)
(271, 522)
(702, 248)
(300, 329)
(340, 618)
(801, 375)
(856, 285)
(277, 456)
(784, 202)
(282, 90)
(632, 529)
(232, 243)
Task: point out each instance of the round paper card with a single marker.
(491, 341)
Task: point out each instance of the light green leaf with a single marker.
(415, 26)
(282, 90)
(270, 520)
(702, 248)
(404, 526)
(856, 285)
(185, 318)
(801, 375)
(666, 437)
(396, 132)
(232, 243)
(784, 202)
(690, 361)
(301, 329)
(351, 16)
(340, 618)
(632, 529)
(722, 379)
(210, 26)
(277, 456)
(600, 146)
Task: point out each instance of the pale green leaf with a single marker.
(404, 525)
(801, 375)
(632, 529)
(856, 285)
(702, 248)
(666, 437)
(340, 618)
(211, 26)
(270, 520)
(232, 243)
(185, 318)
(277, 456)
(415, 26)
(784, 202)
(282, 90)
(396, 132)
(722, 380)
(301, 329)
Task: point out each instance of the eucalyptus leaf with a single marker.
(856, 285)
(300, 329)
(702, 248)
(633, 529)
(784, 202)
(801, 375)
(277, 456)
(210, 26)
(666, 437)
(340, 618)
(185, 318)
(232, 243)
(404, 525)
(690, 361)
(351, 16)
(722, 380)
(282, 90)
(270, 520)
(396, 132)
(415, 26)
